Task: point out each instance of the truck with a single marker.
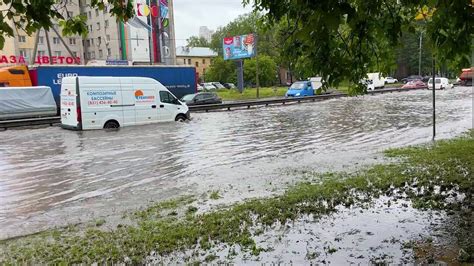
(26, 102)
(15, 76)
(180, 80)
(466, 76)
(113, 102)
(374, 81)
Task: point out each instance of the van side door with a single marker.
(128, 102)
(146, 103)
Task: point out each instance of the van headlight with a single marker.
(298, 94)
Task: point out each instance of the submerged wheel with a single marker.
(180, 118)
(111, 124)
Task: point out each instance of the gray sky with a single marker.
(189, 15)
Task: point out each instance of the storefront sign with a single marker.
(41, 60)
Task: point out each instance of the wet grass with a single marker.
(251, 93)
(433, 176)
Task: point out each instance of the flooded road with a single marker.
(50, 177)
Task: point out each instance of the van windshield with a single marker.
(298, 86)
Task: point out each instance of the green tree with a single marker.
(195, 41)
(267, 69)
(222, 71)
(344, 40)
(31, 15)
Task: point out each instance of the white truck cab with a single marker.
(113, 102)
(440, 83)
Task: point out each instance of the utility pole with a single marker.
(434, 99)
(256, 67)
(419, 59)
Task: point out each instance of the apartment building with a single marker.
(107, 39)
(199, 57)
(22, 45)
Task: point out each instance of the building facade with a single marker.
(206, 33)
(23, 46)
(199, 57)
(151, 41)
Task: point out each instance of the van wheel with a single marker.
(111, 124)
(180, 118)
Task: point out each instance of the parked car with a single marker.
(440, 83)
(218, 85)
(200, 87)
(415, 84)
(390, 80)
(412, 78)
(201, 98)
(229, 86)
(300, 89)
(208, 86)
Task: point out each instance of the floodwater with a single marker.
(51, 177)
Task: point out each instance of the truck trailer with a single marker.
(180, 80)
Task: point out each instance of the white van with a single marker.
(440, 83)
(374, 81)
(113, 102)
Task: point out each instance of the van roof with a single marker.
(102, 79)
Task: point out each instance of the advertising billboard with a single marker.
(239, 47)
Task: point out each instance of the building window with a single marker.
(92, 41)
(21, 38)
(189, 61)
(70, 14)
(74, 54)
(41, 40)
(184, 61)
(98, 25)
(99, 40)
(101, 54)
(23, 52)
(106, 25)
(40, 53)
(89, 16)
(108, 37)
(197, 64)
(57, 53)
(55, 40)
(88, 55)
(88, 42)
(90, 28)
(97, 12)
(72, 41)
(109, 52)
(93, 55)
(203, 61)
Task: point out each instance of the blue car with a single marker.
(300, 89)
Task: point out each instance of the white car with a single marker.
(200, 88)
(440, 83)
(390, 80)
(209, 86)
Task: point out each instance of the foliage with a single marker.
(32, 15)
(195, 41)
(344, 40)
(221, 71)
(251, 93)
(267, 69)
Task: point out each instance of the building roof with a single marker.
(182, 51)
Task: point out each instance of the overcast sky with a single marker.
(189, 15)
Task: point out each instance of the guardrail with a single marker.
(206, 108)
(248, 104)
(30, 122)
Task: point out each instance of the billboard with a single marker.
(238, 47)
